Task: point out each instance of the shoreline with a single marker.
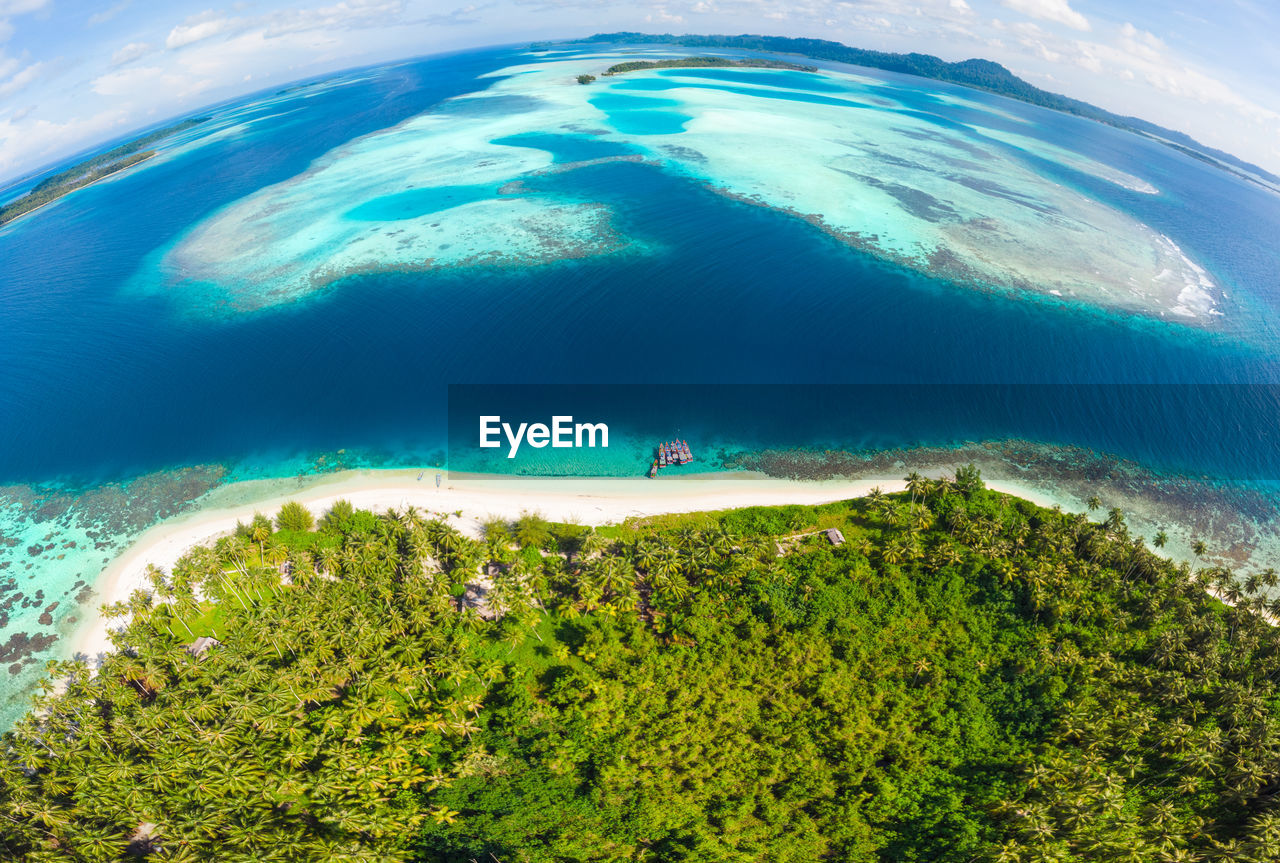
(72, 191)
(477, 496)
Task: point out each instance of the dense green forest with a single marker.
(980, 74)
(91, 170)
(967, 677)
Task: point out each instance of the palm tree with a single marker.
(412, 519)
(1160, 539)
(647, 553)
(532, 530)
(496, 529)
(875, 498)
(674, 586)
(891, 554)
(329, 559)
(445, 815)
(339, 515)
(916, 484)
(258, 532)
(1115, 522)
(592, 542)
(276, 553)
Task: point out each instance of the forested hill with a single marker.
(966, 677)
(981, 74)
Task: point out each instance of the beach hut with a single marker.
(143, 840)
(836, 537)
(198, 647)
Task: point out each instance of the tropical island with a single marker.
(707, 62)
(696, 63)
(976, 73)
(92, 170)
(947, 673)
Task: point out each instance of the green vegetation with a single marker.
(91, 170)
(294, 516)
(204, 619)
(967, 678)
(980, 74)
(697, 62)
(586, 79)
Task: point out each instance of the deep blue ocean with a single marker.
(99, 384)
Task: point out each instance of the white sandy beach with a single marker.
(586, 501)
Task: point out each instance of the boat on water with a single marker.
(670, 453)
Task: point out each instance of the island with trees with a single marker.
(707, 62)
(942, 674)
(92, 170)
(976, 73)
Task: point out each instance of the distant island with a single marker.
(979, 74)
(698, 62)
(91, 170)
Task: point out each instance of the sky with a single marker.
(75, 73)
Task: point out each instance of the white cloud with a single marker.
(1133, 72)
(127, 82)
(661, 16)
(1142, 44)
(1137, 55)
(129, 53)
(1031, 36)
(139, 84)
(30, 143)
(1059, 11)
(347, 15)
(461, 15)
(15, 77)
(197, 28)
(18, 7)
(9, 8)
(107, 14)
(342, 16)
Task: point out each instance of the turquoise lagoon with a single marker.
(291, 288)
